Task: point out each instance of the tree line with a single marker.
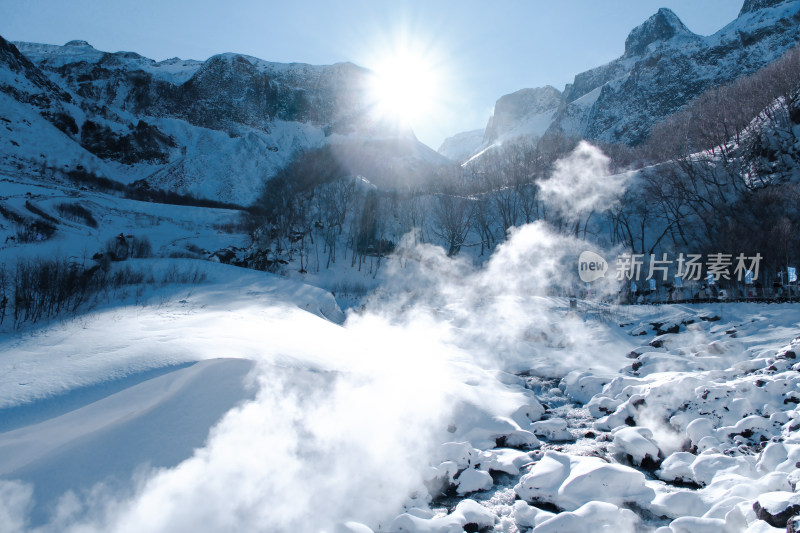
(720, 175)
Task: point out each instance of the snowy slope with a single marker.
(499, 410)
(523, 115)
(214, 129)
(170, 229)
(526, 112)
(462, 145)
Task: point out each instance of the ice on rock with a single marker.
(569, 482)
(739, 516)
(709, 444)
(778, 417)
(741, 408)
(778, 481)
(474, 513)
(722, 507)
(408, 523)
(620, 417)
(592, 516)
(638, 443)
(461, 456)
(750, 426)
(616, 484)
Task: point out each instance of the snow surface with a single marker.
(241, 403)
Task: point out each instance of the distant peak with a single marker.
(662, 26)
(754, 5)
(531, 100)
(79, 44)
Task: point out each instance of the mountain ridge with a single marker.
(214, 129)
(663, 68)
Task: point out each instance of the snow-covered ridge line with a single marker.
(663, 68)
(174, 70)
(215, 129)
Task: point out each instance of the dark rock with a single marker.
(754, 5)
(662, 26)
(778, 519)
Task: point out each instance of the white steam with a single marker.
(504, 314)
(582, 183)
(15, 504)
(344, 434)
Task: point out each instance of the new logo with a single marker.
(591, 266)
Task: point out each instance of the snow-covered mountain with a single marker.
(462, 145)
(664, 67)
(214, 128)
(525, 112)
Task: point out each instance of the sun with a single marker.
(404, 85)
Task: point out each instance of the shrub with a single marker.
(77, 213)
(37, 230)
(123, 247)
(37, 211)
(35, 289)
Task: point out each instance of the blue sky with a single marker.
(480, 50)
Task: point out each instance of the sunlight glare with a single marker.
(404, 86)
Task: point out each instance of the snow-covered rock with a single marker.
(504, 460)
(677, 467)
(679, 503)
(694, 524)
(581, 386)
(571, 481)
(467, 513)
(638, 444)
(592, 516)
(485, 430)
(776, 508)
(471, 480)
(526, 515)
(553, 429)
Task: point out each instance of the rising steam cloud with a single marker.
(323, 444)
(582, 183)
